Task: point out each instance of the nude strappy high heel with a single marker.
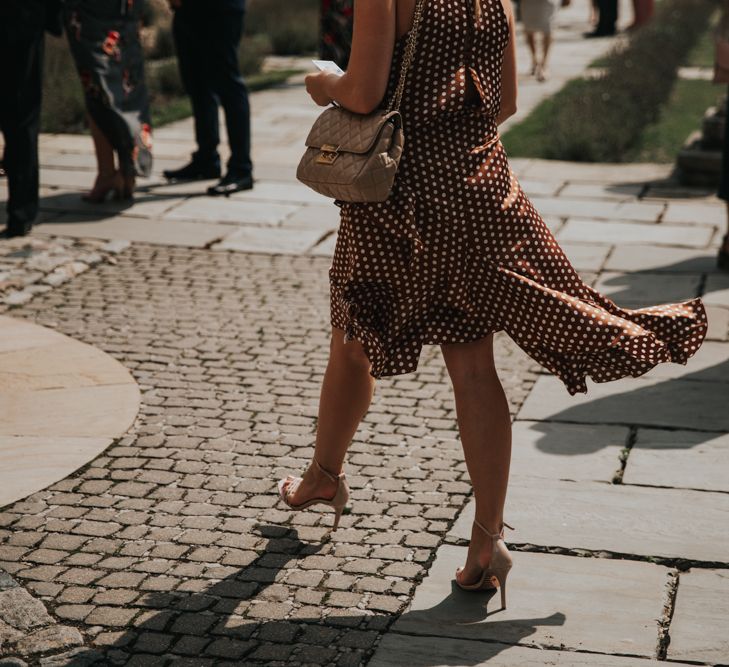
(338, 502)
(498, 568)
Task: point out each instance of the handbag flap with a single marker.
(347, 131)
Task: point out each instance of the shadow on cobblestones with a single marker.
(172, 548)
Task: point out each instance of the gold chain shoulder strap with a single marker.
(408, 56)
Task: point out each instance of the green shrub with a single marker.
(253, 51)
(601, 119)
(292, 29)
(163, 45)
(63, 107)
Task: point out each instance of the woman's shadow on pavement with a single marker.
(698, 404)
(219, 622)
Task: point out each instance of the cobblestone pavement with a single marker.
(33, 265)
(172, 548)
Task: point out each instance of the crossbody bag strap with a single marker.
(407, 59)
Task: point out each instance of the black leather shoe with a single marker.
(600, 33)
(14, 230)
(192, 172)
(231, 183)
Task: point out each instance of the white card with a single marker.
(328, 66)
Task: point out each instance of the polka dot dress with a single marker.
(458, 251)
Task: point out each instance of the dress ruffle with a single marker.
(587, 334)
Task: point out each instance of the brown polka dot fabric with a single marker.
(458, 251)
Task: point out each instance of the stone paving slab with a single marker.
(566, 451)
(718, 319)
(717, 290)
(271, 240)
(144, 205)
(659, 259)
(74, 398)
(709, 364)
(325, 248)
(699, 625)
(314, 217)
(602, 190)
(601, 209)
(29, 464)
(283, 192)
(591, 231)
(621, 174)
(214, 209)
(397, 650)
(646, 401)
(62, 362)
(637, 290)
(636, 520)
(106, 411)
(564, 602)
(138, 230)
(680, 459)
(586, 257)
(697, 213)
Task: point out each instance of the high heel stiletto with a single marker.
(338, 501)
(498, 568)
(98, 194)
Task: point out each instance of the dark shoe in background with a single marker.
(192, 172)
(600, 33)
(16, 229)
(231, 183)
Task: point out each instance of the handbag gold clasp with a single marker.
(328, 155)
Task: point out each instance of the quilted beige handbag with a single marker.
(353, 157)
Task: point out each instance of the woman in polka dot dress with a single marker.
(455, 254)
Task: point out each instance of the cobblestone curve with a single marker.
(171, 548)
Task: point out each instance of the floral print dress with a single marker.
(103, 36)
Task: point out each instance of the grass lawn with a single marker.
(689, 100)
(659, 141)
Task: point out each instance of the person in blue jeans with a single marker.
(207, 35)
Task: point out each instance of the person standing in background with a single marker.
(642, 13)
(207, 36)
(607, 19)
(336, 31)
(103, 36)
(22, 27)
(537, 17)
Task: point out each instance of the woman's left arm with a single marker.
(362, 87)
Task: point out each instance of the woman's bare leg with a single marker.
(104, 152)
(346, 394)
(532, 43)
(546, 46)
(484, 424)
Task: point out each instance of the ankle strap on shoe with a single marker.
(493, 536)
(330, 475)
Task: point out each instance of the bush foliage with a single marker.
(600, 119)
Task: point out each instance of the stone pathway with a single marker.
(63, 404)
(170, 548)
